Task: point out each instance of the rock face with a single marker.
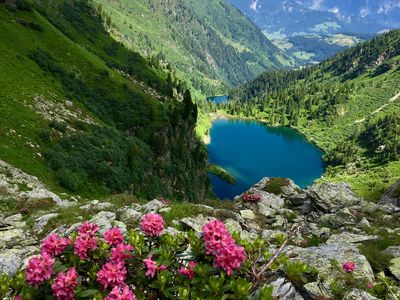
(392, 196)
(331, 197)
(12, 178)
(323, 258)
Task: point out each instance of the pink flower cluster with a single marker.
(55, 245)
(86, 240)
(218, 242)
(39, 269)
(112, 274)
(121, 252)
(64, 284)
(188, 272)
(251, 197)
(113, 236)
(349, 266)
(151, 267)
(152, 224)
(121, 293)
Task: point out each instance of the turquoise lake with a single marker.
(250, 150)
(218, 99)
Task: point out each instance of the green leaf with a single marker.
(88, 293)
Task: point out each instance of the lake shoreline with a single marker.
(276, 151)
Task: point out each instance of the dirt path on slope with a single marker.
(379, 109)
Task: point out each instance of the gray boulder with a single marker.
(323, 258)
(392, 196)
(393, 250)
(153, 206)
(356, 294)
(284, 290)
(347, 237)
(42, 221)
(331, 197)
(196, 223)
(104, 219)
(395, 267)
(9, 263)
(129, 215)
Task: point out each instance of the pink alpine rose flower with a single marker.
(112, 274)
(188, 272)
(219, 242)
(113, 236)
(88, 229)
(55, 245)
(349, 266)
(151, 267)
(121, 252)
(152, 224)
(64, 285)
(83, 244)
(121, 293)
(39, 269)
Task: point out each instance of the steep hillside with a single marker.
(347, 105)
(209, 43)
(85, 114)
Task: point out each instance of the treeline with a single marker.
(284, 97)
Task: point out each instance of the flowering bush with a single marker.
(382, 288)
(147, 265)
(252, 198)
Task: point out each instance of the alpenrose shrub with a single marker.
(252, 198)
(146, 264)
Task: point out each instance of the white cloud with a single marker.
(253, 5)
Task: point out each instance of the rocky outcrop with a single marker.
(331, 197)
(324, 258)
(392, 196)
(12, 179)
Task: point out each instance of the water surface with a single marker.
(218, 99)
(250, 150)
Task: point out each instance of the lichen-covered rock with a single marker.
(247, 214)
(348, 237)
(42, 221)
(356, 294)
(129, 215)
(393, 251)
(323, 258)
(104, 219)
(96, 205)
(340, 218)
(196, 223)
(330, 197)
(284, 290)
(392, 196)
(10, 238)
(395, 267)
(233, 226)
(153, 206)
(9, 262)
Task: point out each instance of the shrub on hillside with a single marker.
(151, 265)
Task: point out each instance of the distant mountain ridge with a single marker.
(311, 16)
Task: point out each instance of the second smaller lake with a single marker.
(251, 150)
(218, 99)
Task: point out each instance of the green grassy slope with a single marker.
(209, 43)
(334, 104)
(88, 116)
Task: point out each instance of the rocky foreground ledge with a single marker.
(334, 225)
